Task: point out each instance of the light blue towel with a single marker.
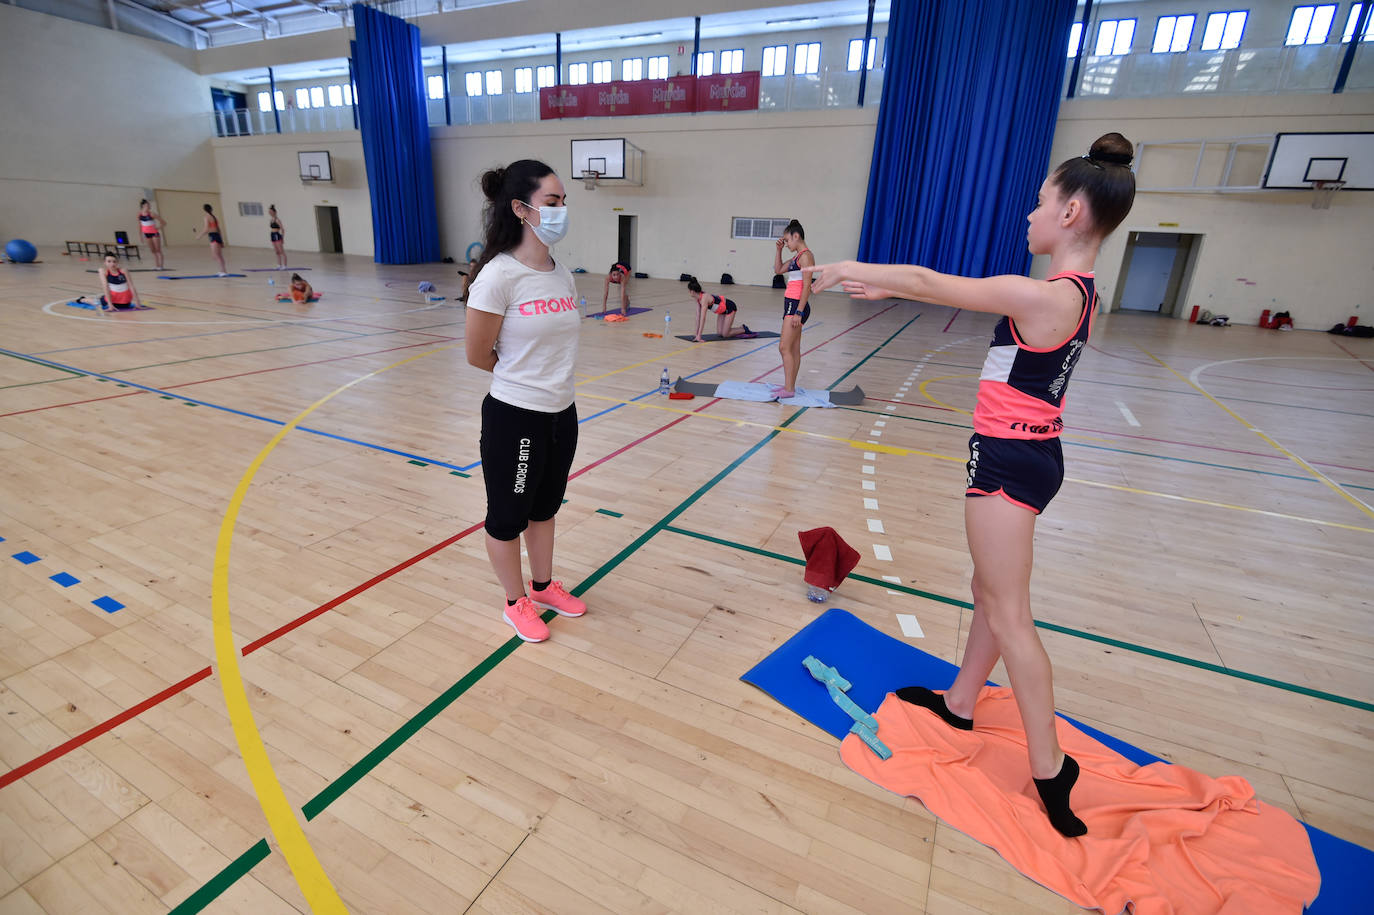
(745, 390)
(807, 398)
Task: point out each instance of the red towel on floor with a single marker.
(1161, 838)
(828, 558)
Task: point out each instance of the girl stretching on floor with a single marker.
(1015, 461)
(725, 313)
(120, 294)
(301, 291)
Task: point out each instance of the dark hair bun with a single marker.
(1112, 149)
(492, 182)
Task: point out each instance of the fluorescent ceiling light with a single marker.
(791, 21)
(528, 47)
(644, 35)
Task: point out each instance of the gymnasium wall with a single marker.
(265, 170)
(92, 120)
(1313, 263)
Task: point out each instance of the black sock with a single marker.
(919, 695)
(541, 585)
(512, 603)
(1054, 794)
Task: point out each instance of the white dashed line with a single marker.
(871, 505)
(870, 456)
(911, 627)
(1126, 412)
(880, 551)
(870, 485)
(868, 468)
(875, 526)
(880, 423)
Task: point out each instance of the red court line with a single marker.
(187, 384)
(94, 732)
(1353, 356)
(60, 750)
(951, 320)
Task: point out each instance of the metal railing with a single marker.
(1242, 71)
(793, 92)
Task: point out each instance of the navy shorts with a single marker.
(276, 236)
(789, 307)
(526, 458)
(1025, 472)
(216, 239)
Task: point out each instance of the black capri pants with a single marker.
(526, 458)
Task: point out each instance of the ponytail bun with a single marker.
(1112, 149)
(492, 182)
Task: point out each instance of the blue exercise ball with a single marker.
(21, 252)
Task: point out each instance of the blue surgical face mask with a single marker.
(553, 224)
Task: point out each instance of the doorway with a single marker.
(626, 246)
(1156, 271)
(327, 224)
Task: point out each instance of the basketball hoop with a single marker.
(589, 177)
(1323, 191)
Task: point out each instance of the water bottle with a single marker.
(816, 595)
(663, 382)
(667, 321)
(582, 304)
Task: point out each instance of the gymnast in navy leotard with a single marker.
(278, 236)
(796, 304)
(724, 309)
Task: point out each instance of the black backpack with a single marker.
(727, 280)
(779, 281)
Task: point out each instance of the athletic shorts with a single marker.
(789, 307)
(1025, 472)
(726, 308)
(119, 300)
(276, 236)
(526, 458)
(150, 235)
(216, 239)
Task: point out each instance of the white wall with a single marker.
(700, 171)
(84, 136)
(265, 170)
(1313, 263)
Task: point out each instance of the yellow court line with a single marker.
(940, 403)
(686, 349)
(281, 817)
(1282, 450)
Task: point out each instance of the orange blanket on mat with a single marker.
(1161, 838)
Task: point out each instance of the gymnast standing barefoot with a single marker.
(796, 304)
(1015, 461)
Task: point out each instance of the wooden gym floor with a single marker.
(1209, 591)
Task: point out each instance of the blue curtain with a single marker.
(394, 120)
(970, 97)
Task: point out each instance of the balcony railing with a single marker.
(794, 92)
(1242, 71)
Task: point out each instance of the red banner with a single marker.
(732, 92)
(728, 92)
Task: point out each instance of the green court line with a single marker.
(316, 805)
(607, 511)
(418, 463)
(459, 473)
(51, 368)
(1063, 630)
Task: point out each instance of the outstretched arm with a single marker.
(701, 319)
(1016, 296)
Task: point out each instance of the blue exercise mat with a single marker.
(878, 664)
(274, 269)
(208, 276)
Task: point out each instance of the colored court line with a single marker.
(310, 876)
(99, 729)
(245, 862)
(1053, 627)
(1361, 361)
(607, 511)
(1192, 380)
(267, 419)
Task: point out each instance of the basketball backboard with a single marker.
(315, 166)
(614, 159)
(1300, 160)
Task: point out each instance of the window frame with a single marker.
(1352, 19)
(657, 62)
(812, 58)
(770, 65)
(1173, 34)
(434, 79)
(301, 97)
(579, 73)
(490, 77)
(1312, 10)
(528, 80)
(1075, 40)
(545, 76)
(472, 79)
(705, 63)
(631, 65)
(850, 65)
(1113, 47)
(1225, 17)
(602, 66)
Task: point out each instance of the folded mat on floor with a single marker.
(716, 338)
(632, 310)
(92, 306)
(1251, 853)
(762, 393)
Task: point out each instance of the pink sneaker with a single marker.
(556, 598)
(523, 617)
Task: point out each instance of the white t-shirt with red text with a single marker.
(537, 344)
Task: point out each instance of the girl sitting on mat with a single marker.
(277, 235)
(522, 327)
(300, 291)
(211, 231)
(151, 225)
(120, 294)
(618, 275)
(1015, 463)
(724, 309)
(796, 304)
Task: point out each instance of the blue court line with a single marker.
(104, 602)
(26, 557)
(244, 413)
(651, 392)
(65, 580)
(108, 604)
(209, 333)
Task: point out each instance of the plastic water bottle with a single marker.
(816, 595)
(271, 282)
(582, 303)
(667, 322)
(663, 382)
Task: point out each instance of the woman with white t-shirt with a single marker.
(522, 326)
